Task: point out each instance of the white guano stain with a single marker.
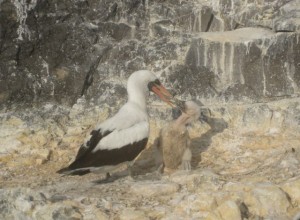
(22, 9)
(48, 77)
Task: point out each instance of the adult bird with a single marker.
(122, 137)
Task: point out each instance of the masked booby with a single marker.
(122, 137)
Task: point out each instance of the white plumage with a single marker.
(127, 116)
(120, 138)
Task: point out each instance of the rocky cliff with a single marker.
(64, 66)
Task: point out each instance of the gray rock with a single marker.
(246, 64)
(15, 203)
(63, 45)
(236, 14)
(288, 19)
(23, 203)
(288, 23)
(196, 180)
(57, 51)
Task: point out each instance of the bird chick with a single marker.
(174, 141)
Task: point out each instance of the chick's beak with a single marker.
(179, 104)
(162, 93)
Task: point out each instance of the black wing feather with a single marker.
(110, 157)
(96, 137)
(86, 148)
(86, 158)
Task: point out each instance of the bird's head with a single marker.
(187, 110)
(146, 81)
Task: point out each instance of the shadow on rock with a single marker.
(201, 144)
(148, 162)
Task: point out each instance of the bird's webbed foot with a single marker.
(186, 165)
(160, 169)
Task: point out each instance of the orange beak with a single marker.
(162, 93)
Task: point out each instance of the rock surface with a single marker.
(64, 66)
(289, 18)
(60, 50)
(244, 166)
(247, 63)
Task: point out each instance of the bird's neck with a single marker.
(137, 93)
(182, 120)
(139, 99)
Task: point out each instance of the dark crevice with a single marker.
(288, 197)
(214, 89)
(284, 31)
(18, 55)
(134, 5)
(66, 17)
(209, 22)
(32, 51)
(265, 27)
(237, 26)
(90, 75)
(245, 214)
(113, 11)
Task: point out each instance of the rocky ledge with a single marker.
(245, 166)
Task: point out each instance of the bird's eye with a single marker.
(157, 82)
(150, 85)
(153, 83)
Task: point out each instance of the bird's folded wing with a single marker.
(126, 117)
(126, 127)
(124, 137)
(92, 141)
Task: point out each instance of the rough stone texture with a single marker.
(227, 210)
(22, 203)
(153, 188)
(251, 161)
(293, 190)
(247, 63)
(253, 13)
(239, 58)
(132, 214)
(59, 50)
(267, 199)
(288, 19)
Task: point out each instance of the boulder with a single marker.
(267, 199)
